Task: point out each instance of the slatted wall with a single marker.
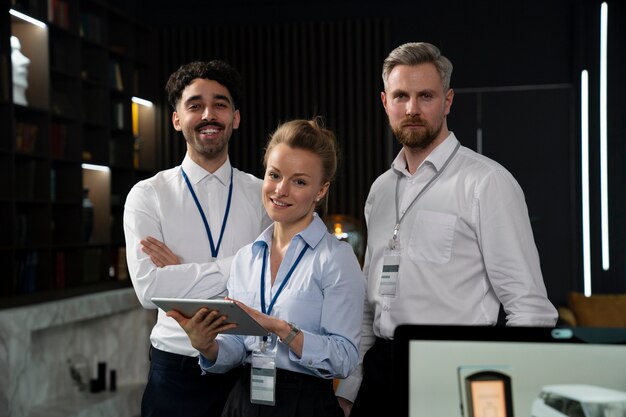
(301, 70)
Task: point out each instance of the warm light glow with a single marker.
(584, 169)
(142, 102)
(339, 234)
(604, 177)
(95, 167)
(27, 18)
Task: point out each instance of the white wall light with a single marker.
(584, 169)
(604, 186)
(95, 167)
(141, 101)
(27, 18)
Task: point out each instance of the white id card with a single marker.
(263, 377)
(389, 274)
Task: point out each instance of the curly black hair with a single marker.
(215, 70)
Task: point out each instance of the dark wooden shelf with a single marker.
(82, 76)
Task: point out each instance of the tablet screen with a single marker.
(246, 325)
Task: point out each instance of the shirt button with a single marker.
(386, 308)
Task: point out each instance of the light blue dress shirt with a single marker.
(323, 297)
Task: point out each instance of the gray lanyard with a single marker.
(394, 240)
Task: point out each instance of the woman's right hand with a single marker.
(202, 329)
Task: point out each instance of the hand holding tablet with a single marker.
(246, 325)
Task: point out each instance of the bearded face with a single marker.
(416, 133)
(416, 105)
(206, 116)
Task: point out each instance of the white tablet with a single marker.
(246, 325)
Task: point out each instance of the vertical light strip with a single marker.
(479, 140)
(604, 186)
(584, 170)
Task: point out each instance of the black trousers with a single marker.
(376, 395)
(176, 387)
(297, 395)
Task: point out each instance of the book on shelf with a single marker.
(116, 80)
(58, 137)
(121, 266)
(53, 185)
(117, 116)
(26, 273)
(90, 27)
(58, 13)
(135, 118)
(59, 270)
(30, 272)
(26, 137)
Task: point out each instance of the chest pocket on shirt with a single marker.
(300, 306)
(432, 236)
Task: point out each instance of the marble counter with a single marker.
(37, 341)
(122, 403)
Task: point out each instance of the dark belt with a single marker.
(291, 377)
(173, 360)
(385, 345)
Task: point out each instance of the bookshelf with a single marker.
(72, 151)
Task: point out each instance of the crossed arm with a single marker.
(158, 252)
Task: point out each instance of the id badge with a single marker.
(263, 376)
(389, 274)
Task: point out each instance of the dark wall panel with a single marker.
(535, 143)
(331, 69)
(324, 57)
(530, 131)
(494, 43)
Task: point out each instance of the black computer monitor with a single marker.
(470, 371)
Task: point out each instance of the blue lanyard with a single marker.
(214, 250)
(282, 285)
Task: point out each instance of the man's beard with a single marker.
(416, 139)
(209, 150)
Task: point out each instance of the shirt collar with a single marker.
(312, 234)
(196, 173)
(436, 158)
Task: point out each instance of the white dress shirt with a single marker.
(163, 207)
(466, 246)
(323, 297)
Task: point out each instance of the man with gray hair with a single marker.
(457, 243)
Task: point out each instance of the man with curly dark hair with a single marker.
(183, 226)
